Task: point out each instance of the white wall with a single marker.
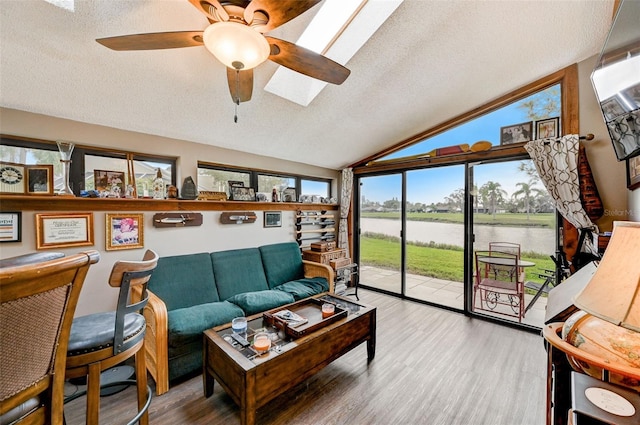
(97, 295)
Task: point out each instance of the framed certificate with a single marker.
(61, 230)
(10, 226)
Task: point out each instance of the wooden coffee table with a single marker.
(252, 381)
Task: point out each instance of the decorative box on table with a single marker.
(324, 257)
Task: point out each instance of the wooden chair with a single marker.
(102, 340)
(498, 282)
(38, 297)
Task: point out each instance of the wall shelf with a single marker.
(54, 203)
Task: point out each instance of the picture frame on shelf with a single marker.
(12, 178)
(63, 230)
(235, 183)
(40, 179)
(109, 184)
(633, 172)
(548, 128)
(10, 226)
(289, 195)
(272, 219)
(124, 231)
(241, 193)
(516, 133)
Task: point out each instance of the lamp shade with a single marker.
(613, 293)
(236, 45)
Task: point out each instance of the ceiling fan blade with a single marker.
(153, 41)
(240, 84)
(279, 11)
(205, 6)
(306, 62)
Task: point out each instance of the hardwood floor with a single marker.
(431, 367)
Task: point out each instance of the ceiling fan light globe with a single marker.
(233, 42)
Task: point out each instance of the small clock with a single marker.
(12, 178)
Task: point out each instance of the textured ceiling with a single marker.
(430, 61)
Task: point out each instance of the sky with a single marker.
(433, 185)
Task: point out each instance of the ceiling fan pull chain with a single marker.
(237, 99)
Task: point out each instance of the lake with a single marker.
(536, 239)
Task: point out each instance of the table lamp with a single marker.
(613, 293)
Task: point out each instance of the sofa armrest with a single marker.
(313, 269)
(156, 341)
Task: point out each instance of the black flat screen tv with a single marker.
(616, 80)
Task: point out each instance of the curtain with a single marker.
(345, 204)
(557, 163)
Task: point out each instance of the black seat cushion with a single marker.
(96, 331)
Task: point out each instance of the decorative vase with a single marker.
(66, 149)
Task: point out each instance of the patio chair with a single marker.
(38, 297)
(509, 248)
(498, 283)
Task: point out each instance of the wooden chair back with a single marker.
(38, 298)
(127, 275)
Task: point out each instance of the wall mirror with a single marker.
(616, 80)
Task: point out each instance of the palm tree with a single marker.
(526, 191)
(492, 194)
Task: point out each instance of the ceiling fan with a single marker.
(235, 37)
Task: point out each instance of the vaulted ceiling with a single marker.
(430, 61)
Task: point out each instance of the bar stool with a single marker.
(102, 340)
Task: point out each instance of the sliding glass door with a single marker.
(380, 230)
(435, 235)
(510, 205)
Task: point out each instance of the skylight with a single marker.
(338, 31)
(63, 4)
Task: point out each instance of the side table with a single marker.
(345, 275)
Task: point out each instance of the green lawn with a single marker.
(546, 220)
(439, 261)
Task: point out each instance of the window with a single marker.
(541, 105)
(213, 177)
(85, 161)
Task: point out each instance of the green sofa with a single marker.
(194, 292)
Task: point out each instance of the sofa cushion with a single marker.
(238, 271)
(282, 263)
(187, 324)
(257, 302)
(303, 288)
(184, 280)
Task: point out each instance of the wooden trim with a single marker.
(54, 203)
(498, 152)
(567, 76)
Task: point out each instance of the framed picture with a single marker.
(272, 219)
(235, 183)
(10, 226)
(40, 179)
(124, 231)
(109, 183)
(62, 230)
(516, 133)
(633, 172)
(548, 128)
(612, 107)
(289, 195)
(239, 193)
(12, 178)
